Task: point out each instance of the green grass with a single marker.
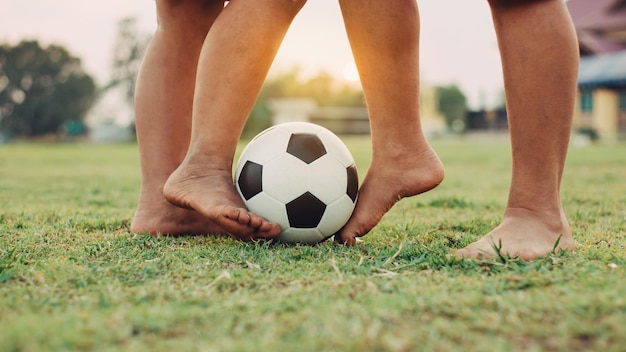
(72, 276)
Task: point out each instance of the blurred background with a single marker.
(67, 70)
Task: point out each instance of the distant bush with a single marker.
(41, 89)
(592, 133)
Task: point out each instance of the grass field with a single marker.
(72, 276)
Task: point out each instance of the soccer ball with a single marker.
(301, 176)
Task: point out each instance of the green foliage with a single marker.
(452, 105)
(591, 133)
(130, 47)
(73, 278)
(41, 89)
(322, 88)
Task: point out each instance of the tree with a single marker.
(452, 105)
(323, 88)
(128, 53)
(41, 89)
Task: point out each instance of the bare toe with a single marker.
(238, 215)
(346, 239)
(256, 221)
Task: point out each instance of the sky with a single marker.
(458, 44)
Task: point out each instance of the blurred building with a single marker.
(351, 120)
(601, 101)
(494, 120)
(340, 120)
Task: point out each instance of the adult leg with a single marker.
(540, 59)
(163, 104)
(234, 61)
(384, 36)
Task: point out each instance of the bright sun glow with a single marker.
(350, 73)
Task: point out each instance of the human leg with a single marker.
(384, 36)
(540, 58)
(234, 61)
(163, 103)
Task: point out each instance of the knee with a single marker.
(192, 15)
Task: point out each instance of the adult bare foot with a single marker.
(388, 180)
(523, 233)
(211, 192)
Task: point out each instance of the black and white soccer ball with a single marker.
(301, 176)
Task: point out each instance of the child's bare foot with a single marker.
(211, 192)
(159, 217)
(387, 181)
(524, 234)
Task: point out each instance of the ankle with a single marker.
(196, 163)
(399, 145)
(398, 152)
(555, 220)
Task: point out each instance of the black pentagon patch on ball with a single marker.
(305, 212)
(353, 182)
(306, 147)
(251, 179)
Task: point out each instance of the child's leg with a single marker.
(163, 104)
(384, 36)
(540, 59)
(234, 61)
